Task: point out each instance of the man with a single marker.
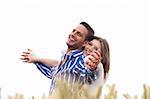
(72, 66)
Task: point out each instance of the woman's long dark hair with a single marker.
(105, 54)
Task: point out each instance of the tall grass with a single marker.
(75, 91)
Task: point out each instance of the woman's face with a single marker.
(92, 45)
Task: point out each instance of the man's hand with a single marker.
(29, 56)
(92, 60)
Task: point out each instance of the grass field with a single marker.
(74, 91)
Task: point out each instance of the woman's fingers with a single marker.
(91, 65)
(94, 59)
(91, 62)
(96, 56)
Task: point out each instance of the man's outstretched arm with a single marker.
(30, 57)
(46, 66)
(46, 70)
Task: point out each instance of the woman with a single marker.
(100, 44)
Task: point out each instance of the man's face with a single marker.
(77, 37)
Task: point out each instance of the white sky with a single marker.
(43, 26)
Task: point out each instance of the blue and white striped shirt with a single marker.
(71, 68)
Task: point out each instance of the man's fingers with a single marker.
(26, 61)
(23, 58)
(29, 50)
(24, 55)
(26, 52)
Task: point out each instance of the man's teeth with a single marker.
(72, 39)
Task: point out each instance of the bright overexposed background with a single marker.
(43, 26)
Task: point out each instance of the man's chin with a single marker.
(71, 46)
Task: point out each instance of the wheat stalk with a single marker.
(75, 91)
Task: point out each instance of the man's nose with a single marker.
(73, 33)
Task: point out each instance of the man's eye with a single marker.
(73, 30)
(79, 34)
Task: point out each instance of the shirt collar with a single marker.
(77, 53)
(74, 53)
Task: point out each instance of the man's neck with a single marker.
(71, 49)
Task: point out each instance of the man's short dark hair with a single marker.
(90, 30)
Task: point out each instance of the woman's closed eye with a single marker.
(95, 48)
(90, 43)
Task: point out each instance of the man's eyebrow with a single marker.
(74, 30)
(77, 31)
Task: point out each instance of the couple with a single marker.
(85, 61)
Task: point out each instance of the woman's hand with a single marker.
(92, 60)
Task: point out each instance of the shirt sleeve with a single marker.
(47, 71)
(100, 71)
(90, 75)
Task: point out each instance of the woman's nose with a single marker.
(91, 48)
